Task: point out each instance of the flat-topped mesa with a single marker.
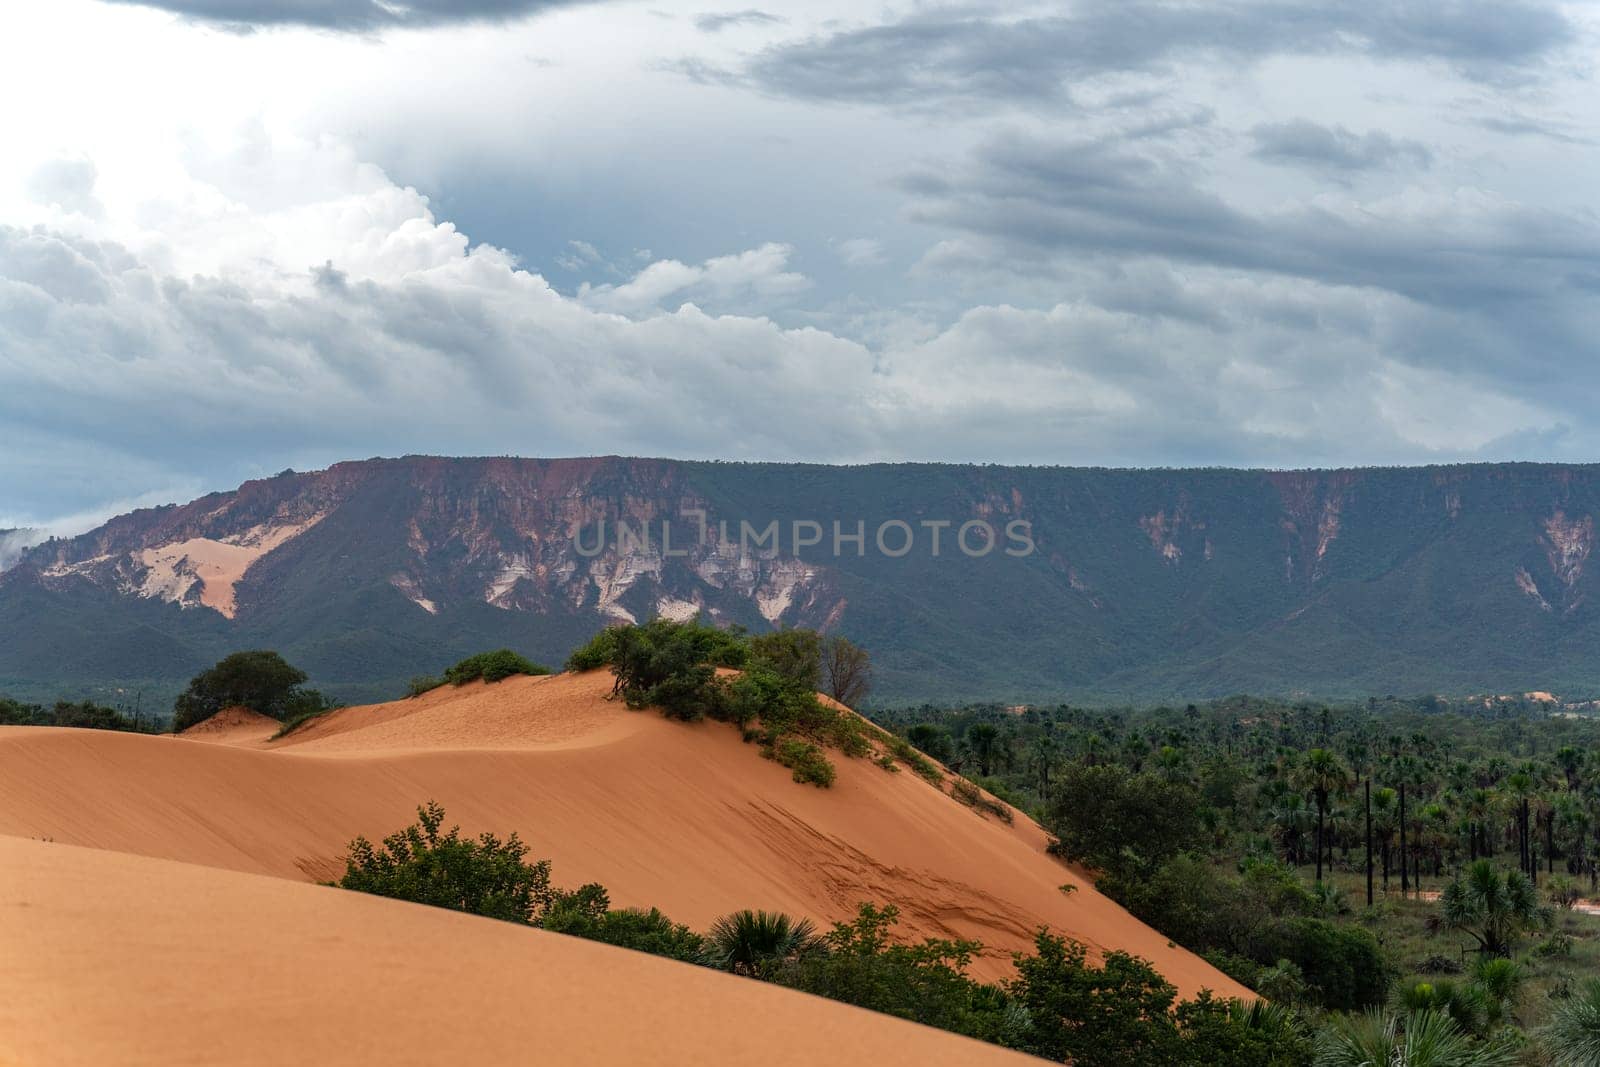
(966, 582)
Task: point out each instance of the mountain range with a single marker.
(965, 582)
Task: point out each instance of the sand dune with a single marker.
(116, 959)
(685, 817)
(234, 726)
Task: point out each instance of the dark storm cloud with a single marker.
(958, 56)
(1311, 145)
(353, 16)
(1045, 198)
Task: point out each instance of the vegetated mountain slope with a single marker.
(1143, 585)
(123, 959)
(683, 817)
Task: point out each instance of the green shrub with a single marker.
(973, 797)
(308, 714)
(902, 751)
(1557, 946)
(423, 683)
(926, 982)
(672, 666)
(1344, 965)
(794, 655)
(586, 912)
(804, 759)
(1241, 969)
(492, 667)
(1117, 1013)
(601, 651)
(485, 876)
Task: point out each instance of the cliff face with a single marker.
(966, 582)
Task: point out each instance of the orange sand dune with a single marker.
(234, 726)
(121, 959)
(685, 817)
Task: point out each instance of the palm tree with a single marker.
(1042, 756)
(982, 739)
(1572, 824)
(1323, 776)
(1419, 1039)
(1572, 1037)
(1480, 808)
(1490, 906)
(1290, 821)
(1568, 760)
(1385, 821)
(1520, 786)
(757, 943)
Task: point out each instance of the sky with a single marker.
(239, 236)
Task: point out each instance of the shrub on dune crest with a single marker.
(491, 667)
(423, 683)
(672, 666)
(795, 655)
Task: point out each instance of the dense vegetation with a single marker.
(772, 699)
(1240, 830)
(1120, 1013)
(83, 714)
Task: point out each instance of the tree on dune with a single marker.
(260, 680)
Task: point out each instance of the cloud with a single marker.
(349, 16)
(759, 274)
(1303, 143)
(958, 58)
(14, 542)
(1044, 197)
(65, 183)
(860, 252)
(1515, 125)
(719, 21)
(408, 338)
(580, 256)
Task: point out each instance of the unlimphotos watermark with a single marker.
(893, 538)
